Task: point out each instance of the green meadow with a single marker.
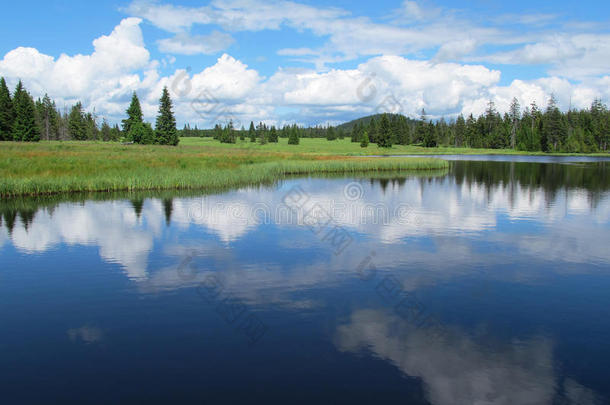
(321, 146)
(50, 167)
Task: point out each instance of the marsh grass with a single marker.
(62, 167)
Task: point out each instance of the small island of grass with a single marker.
(59, 167)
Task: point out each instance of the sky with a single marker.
(307, 62)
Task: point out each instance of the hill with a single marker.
(366, 120)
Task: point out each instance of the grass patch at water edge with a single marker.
(59, 167)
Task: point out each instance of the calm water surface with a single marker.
(486, 284)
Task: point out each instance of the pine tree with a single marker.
(460, 131)
(217, 132)
(356, 133)
(77, 127)
(373, 130)
(134, 113)
(165, 128)
(331, 135)
(554, 127)
(273, 137)
(421, 130)
(537, 134)
(148, 134)
(492, 123)
(92, 130)
(261, 133)
(384, 137)
(228, 134)
(293, 139)
(401, 133)
(7, 113)
(48, 118)
(105, 131)
(600, 125)
(515, 117)
(138, 133)
(430, 137)
(115, 133)
(365, 140)
(24, 126)
(252, 132)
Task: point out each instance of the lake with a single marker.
(486, 284)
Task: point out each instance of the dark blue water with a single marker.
(489, 284)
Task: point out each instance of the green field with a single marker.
(56, 167)
(320, 146)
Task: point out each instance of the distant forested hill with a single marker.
(365, 121)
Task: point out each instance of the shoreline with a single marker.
(204, 164)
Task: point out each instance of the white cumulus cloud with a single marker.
(185, 44)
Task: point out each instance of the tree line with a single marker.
(262, 133)
(531, 129)
(24, 119)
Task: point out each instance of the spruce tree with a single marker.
(384, 136)
(262, 136)
(142, 133)
(24, 127)
(7, 113)
(402, 131)
(252, 132)
(48, 118)
(293, 139)
(38, 106)
(217, 132)
(92, 131)
(166, 132)
(365, 140)
(515, 116)
(77, 125)
(136, 132)
(105, 131)
(330, 134)
(421, 127)
(460, 132)
(273, 137)
(356, 133)
(600, 124)
(554, 129)
(115, 133)
(228, 133)
(373, 130)
(134, 113)
(430, 138)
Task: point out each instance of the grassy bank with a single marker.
(59, 167)
(346, 147)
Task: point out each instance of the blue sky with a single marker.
(309, 62)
